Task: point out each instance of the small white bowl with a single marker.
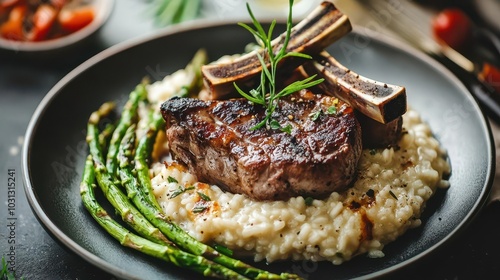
(103, 10)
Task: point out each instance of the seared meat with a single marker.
(215, 140)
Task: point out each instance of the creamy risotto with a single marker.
(387, 199)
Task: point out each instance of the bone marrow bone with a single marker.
(325, 25)
(380, 101)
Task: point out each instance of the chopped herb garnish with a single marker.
(199, 208)
(180, 191)
(309, 201)
(332, 110)
(373, 152)
(224, 250)
(204, 196)
(393, 195)
(266, 93)
(315, 115)
(171, 179)
(274, 124)
(287, 128)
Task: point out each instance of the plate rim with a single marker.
(381, 38)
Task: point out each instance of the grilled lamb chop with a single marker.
(215, 140)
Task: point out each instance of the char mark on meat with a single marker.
(215, 140)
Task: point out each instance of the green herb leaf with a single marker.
(287, 129)
(180, 191)
(332, 110)
(171, 179)
(315, 115)
(204, 196)
(266, 93)
(199, 209)
(247, 96)
(274, 124)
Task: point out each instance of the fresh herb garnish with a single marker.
(267, 94)
(287, 128)
(204, 196)
(274, 124)
(199, 208)
(180, 191)
(332, 110)
(315, 115)
(171, 179)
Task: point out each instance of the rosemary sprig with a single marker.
(266, 93)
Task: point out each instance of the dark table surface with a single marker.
(475, 254)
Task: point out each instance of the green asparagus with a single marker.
(156, 123)
(114, 195)
(128, 117)
(126, 238)
(144, 200)
(105, 135)
(143, 153)
(127, 165)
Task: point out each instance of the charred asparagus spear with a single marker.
(140, 192)
(143, 154)
(128, 116)
(114, 195)
(126, 238)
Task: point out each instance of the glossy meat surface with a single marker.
(215, 140)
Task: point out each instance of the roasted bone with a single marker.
(379, 135)
(321, 28)
(379, 101)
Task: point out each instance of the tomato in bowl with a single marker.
(40, 25)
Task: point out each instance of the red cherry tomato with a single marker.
(72, 20)
(12, 29)
(43, 20)
(453, 27)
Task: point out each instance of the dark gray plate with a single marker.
(55, 147)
